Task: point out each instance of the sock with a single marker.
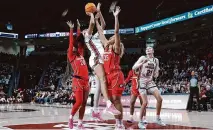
(95, 109)
(79, 121)
(116, 121)
(131, 117)
(158, 117)
(108, 103)
(71, 117)
(144, 118)
(120, 122)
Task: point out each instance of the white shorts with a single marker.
(93, 61)
(149, 86)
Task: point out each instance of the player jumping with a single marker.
(149, 66)
(114, 50)
(96, 63)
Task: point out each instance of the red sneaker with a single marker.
(70, 124)
(112, 110)
(97, 116)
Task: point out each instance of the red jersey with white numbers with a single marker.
(111, 61)
(78, 62)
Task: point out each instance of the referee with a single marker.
(194, 90)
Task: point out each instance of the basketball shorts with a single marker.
(134, 90)
(80, 85)
(145, 87)
(93, 61)
(115, 81)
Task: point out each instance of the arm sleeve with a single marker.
(129, 77)
(70, 54)
(78, 31)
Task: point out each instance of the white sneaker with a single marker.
(145, 121)
(141, 125)
(159, 122)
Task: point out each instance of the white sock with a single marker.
(80, 122)
(158, 117)
(131, 117)
(120, 122)
(117, 122)
(95, 109)
(108, 103)
(71, 117)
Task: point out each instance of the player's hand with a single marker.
(117, 11)
(97, 16)
(70, 24)
(99, 7)
(78, 23)
(89, 13)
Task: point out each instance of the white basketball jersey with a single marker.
(147, 70)
(96, 48)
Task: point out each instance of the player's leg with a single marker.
(82, 109)
(75, 108)
(116, 99)
(143, 94)
(156, 94)
(95, 112)
(132, 107)
(99, 70)
(144, 116)
(116, 87)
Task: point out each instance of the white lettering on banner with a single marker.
(174, 19)
(206, 10)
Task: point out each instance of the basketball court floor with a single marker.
(35, 116)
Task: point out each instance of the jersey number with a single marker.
(82, 62)
(106, 57)
(149, 72)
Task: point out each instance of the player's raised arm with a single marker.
(78, 28)
(71, 41)
(139, 63)
(117, 36)
(91, 23)
(100, 31)
(103, 23)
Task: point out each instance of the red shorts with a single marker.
(134, 90)
(80, 85)
(115, 81)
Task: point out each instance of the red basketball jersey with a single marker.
(77, 62)
(111, 61)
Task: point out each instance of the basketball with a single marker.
(90, 7)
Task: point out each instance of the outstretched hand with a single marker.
(117, 11)
(78, 23)
(99, 7)
(70, 24)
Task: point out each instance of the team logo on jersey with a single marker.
(121, 86)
